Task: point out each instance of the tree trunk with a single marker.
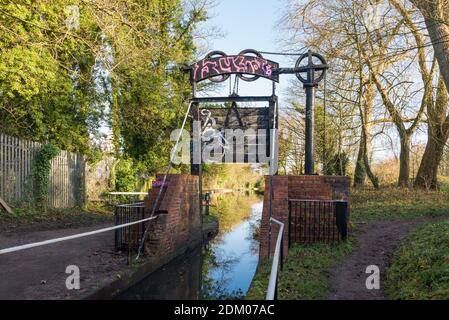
(436, 17)
(363, 167)
(437, 135)
(360, 173)
(372, 177)
(428, 169)
(404, 162)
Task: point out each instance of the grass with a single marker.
(307, 268)
(305, 274)
(420, 267)
(394, 203)
(34, 219)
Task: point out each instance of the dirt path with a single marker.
(39, 273)
(377, 241)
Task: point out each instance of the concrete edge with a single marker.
(135, 274)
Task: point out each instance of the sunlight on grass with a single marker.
(305, 274)
(394, 203)
(420, 267)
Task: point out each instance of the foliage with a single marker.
(226, 176)
(396, 203)
(305, 274)
(149, 90)
(63, 83)
(126, 176)
(40, 172)
(46, 85)
(420, 267)
(337, 165)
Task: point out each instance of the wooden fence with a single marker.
(66, 184)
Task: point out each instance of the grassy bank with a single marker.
(32, 219)
(394, 203)
(420, 267)
(305, 274)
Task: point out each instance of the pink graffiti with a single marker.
(205, 69)
(267, 70)
(225, 64)
(232, 64)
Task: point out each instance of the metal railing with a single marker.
(311, 221)
(278, 260)
(128, 238)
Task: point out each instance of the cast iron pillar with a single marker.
(315, 73)
(310, 124)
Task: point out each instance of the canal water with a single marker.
(222, 268)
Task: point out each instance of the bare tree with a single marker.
(436, 17)
(379, 48)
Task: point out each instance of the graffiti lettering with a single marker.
(212, 67)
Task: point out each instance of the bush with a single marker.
(41, 172)
(126, 176)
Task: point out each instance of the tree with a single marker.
(437, 136)
(121, 65)
(375, 49)
(435, 104)
(46, 85)
(385, 86)
(148, 43)
(436, 17)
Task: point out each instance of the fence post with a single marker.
(341, 213)
(282, 252)
(289, 223)
(66, 186)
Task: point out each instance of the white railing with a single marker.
(277, 259)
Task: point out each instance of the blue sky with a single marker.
(248, 23)
(251, 24)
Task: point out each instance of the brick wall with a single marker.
(300, 188)
(179, 222)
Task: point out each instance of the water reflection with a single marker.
(178, 280)
(223, 269)
(231, 259)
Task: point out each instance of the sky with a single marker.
(254, 24)
(251, 24)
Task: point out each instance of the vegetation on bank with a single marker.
(396, 203)
(235, 177)
(70, 69)
(305, 274)
(31, 219)
(306, 270)
(420, 267)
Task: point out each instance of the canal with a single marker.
(223, 268)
